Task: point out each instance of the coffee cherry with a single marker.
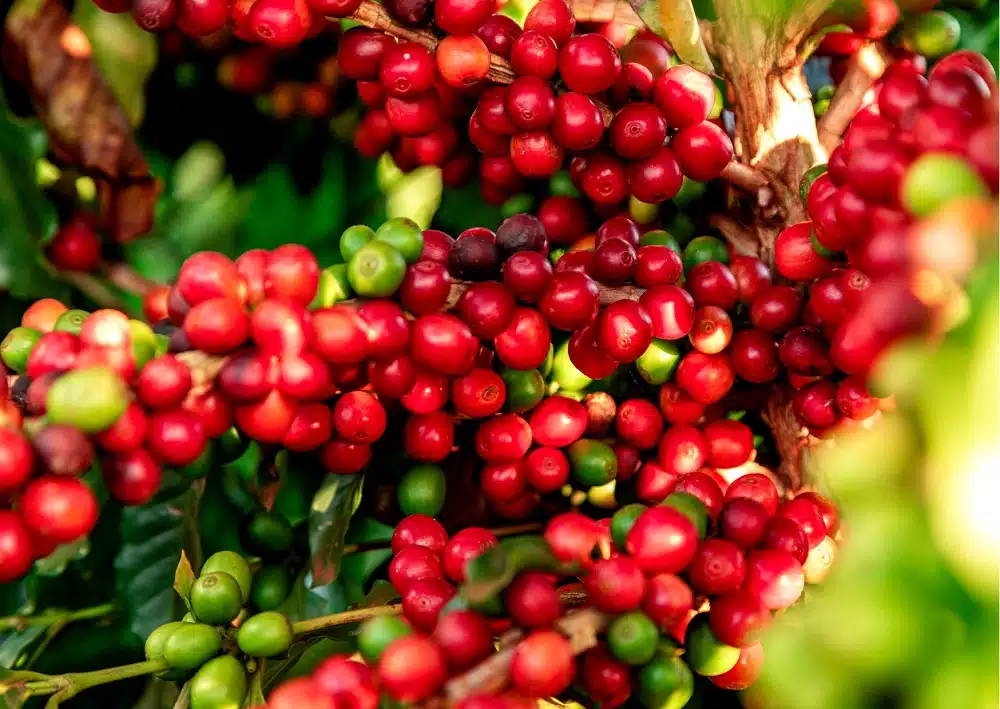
(63, 450)
(616, 585)
(718, 567)
(623, 330)
(163, 382)
(499, 33)
(175, 437)
(543, 664)
(532, 601)
(463, 547)
(412, 668)
(344, 457)
(58, 508)
(578, 124)
(662, 540)
(525, 342)
(775, 577)
(424, 600)
(589, 63)
(465, 638)
(702, 150)
(534, 54)
(429, 437)
(667, 600)
(75, 246)
(684, 95)
(16, 460)
(671, 310)
(738, 618)
(15, 547)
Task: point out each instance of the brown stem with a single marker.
(94, 288)
(372, 15)
(492, 675)
(789, 438)
(863, 70)
(128, 280)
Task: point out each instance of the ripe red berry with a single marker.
(615, 585)
(279, 23)
(16, 460)
(504, 439)
(133, 477)
(424, 600)
(428, 393)
(536, 154)
(730, 443)
(360, 52)
(412, 668)
(614, 261)
(671, 309)
(795, 257)
(499, 33)
(668, 600)
(738, 618)
(706, 377)
(677, 406)
(703, 150)
(532, 600)
(345, 458)
(605, 179)
(407, 69)
(589, 63)
(62, 449)
(684, 95)
(414, 116)
(718, 567)
(442, 343)
(54, 352)
(743, 522)
(502, 483)
(217, 326)
(623, 330)
(359, 417)
(429, 437)
(525, 342)
(757, 487)
(754, 356)
(543, 664)
(657, 265)
(127, 433)
(572, 536)
(16, 554)
(534, 54)
(546, 469)
(775, 577)
(526, 274)
(75, 246)
(553, 18)
(712, 283)
(58, 508)
(207, 275)
(578, 124)
(462, 61)
(465, 638)
(175, 437)
(706, 488)
(662, 540)
(163, 382)
(782, 534)
(201, 17)
(638, 423)
(637, 131)
(712, 330)
(463, 547)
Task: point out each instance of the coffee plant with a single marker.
(492, 355)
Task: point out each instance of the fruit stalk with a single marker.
(15, 622)
(863, 70)
(316, 625)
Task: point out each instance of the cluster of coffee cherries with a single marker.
(898, 218)
(67, 404)
(660, 131)
(677, 588)
(220, 641)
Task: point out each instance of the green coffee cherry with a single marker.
(233, 564)
(706, 654)
(622, 521)
(702, 249)
(657, 364)
(810, 176)
(518, 204)
(404, 235)
(666, 682)
(16, 347)
(265, 634)
(191, 646)
(271, 586)
(934, 179)
(376, 270)
(71, 321)
(565, 374)
(422, 490)
(268, 533)
(333, 287)
(91, 399)
(378, 633)
(143, 342)
(691, 191)
(642, 212)
(592, 462)
(216, 598)
(525, 388)
(932, 34)
(692, 508)
(220, 684)
(561, 185)
(633, 637)
(157, 640)
(661, 238)
(353, 238)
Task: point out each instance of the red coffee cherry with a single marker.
(465, 638)
(533, 601)
(412, 668)
(543, 664)
(463, 547)
(616, 585)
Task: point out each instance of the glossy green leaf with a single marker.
(491, 572)
(184, 579)
(153, 537)
(358, 567)
(332, 507)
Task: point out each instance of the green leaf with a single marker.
(416, 195)
(357, 568)
(15, 643)
(332, 508)
(299, 484)
(209, 223)
(27, 216)
(675, 21)
(153, 537)
(465, 208)
(490, 573)
(184, 579)
(123, 52)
